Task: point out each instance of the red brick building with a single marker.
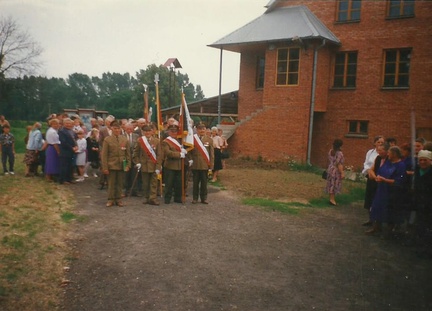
(362, 67)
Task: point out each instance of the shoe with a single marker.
(12, 173)
(194, 202)
(375, 229)
(95, 175)
(333, 203)
(120, 203)
(6, 173)
(85, 176)
(109, 204)
(178, 201)
(153, 202)
(204, 202)
(367, 223)
(80, 179)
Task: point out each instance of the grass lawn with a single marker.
(33, 226)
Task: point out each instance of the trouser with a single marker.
(115, 184)
(7, 154)
(149, 183)
(200, 180)
(129, 178)
(65, 169)
(172, 181)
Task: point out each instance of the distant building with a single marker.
(361, 67)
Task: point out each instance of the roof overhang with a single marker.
(284, 24)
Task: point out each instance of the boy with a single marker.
(7, 142)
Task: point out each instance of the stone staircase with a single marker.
(229, 129)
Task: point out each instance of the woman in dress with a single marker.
(93, 152)
(388, 197)
(371, 184)
(335, 172)
(217, 143)
(52, 162)
(34, 146)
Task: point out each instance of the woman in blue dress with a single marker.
(386, 203)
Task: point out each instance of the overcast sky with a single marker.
(97, 36)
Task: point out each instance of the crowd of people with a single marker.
(398, 197)
(129, 157)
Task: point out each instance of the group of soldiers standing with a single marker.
(132, 160)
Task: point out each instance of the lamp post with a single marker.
(172, 64)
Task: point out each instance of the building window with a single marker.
(345, 70)
(288, 61)
(356, 127)
(260, 72)
(348, 10)
(400, 8)
(396, 68)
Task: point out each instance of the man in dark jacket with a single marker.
(68, 147)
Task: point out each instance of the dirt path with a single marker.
(227, 256)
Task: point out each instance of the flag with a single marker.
(185, 126)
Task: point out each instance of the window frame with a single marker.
(345, 74)
(289, 62)
(358, 133)
(349, 11)
(402, 4)
(397, 74)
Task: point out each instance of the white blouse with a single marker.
(369, 161)
(52, 137)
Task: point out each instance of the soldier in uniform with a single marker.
(202, 161)
(129, 176)
(172, 152)
(115, 155)
(147, 155)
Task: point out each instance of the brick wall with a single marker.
(280, 130)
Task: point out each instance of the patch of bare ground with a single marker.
(230, 256)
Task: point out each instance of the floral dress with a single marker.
(334, 177)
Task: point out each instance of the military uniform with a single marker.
(115, 155)
(172, 170)
(148, 166)
(200, 166)
(130, 175)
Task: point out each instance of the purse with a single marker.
(324, 175)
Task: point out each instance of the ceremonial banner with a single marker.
(185, 126)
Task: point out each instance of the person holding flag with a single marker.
(147, 156)
(173, 153)
(202, 161)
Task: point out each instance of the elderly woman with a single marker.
(52, 162)
(386, 204)
(217, 144)
(335, 172)
(34, 146)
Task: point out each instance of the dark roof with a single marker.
(278, 24)
(208, 107)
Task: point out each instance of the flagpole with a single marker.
(146, 109)
(181, 124)
(159, 128)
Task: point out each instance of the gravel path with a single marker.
(228, 256)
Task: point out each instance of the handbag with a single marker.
(324, 175)
(225, 154)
